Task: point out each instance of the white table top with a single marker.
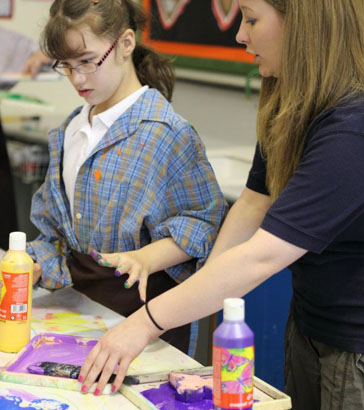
(67, 311)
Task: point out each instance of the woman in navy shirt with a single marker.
(303, 207)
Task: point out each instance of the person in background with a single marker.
(302, 208)
(18, 53)
(126, 174)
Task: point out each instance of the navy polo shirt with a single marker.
(322, 210)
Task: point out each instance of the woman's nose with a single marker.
(242, 35)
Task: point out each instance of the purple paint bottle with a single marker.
(233, 359)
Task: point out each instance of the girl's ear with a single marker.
(128, 42)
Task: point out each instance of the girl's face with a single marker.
(261, 31)
(109, 84)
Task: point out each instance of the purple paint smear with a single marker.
(164, 398)
(53, 347)
(20, 400)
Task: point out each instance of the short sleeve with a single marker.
(326, 193)
(257, 173)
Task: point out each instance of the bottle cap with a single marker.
(17, 241)
(234, 309)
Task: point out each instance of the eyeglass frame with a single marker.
(97, 65)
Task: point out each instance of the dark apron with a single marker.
(8, 221)
(101, 285)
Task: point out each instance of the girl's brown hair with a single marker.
(106, 18)
(322, 63)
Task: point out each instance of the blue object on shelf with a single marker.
(266, 312)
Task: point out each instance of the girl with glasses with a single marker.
(127, 174)
(303, 207)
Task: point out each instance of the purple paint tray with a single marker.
(49, 347)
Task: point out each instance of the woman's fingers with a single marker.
(107, 371)
(122, 369)
(88, 373)
(121, 344)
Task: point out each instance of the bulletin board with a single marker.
(6, 9)
(199, 34)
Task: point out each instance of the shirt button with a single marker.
(78, 216)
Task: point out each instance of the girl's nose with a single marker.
(77, 78)
(242, 35)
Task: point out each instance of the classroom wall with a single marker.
(222, 115)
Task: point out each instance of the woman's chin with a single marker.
(266, 72)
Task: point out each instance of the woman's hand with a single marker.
(131, 263)
(118, 347)
(37, 273)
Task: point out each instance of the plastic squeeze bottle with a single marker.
(16, 281)
(233, 359)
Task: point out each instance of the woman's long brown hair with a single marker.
(322, 63)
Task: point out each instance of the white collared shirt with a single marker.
(81, 138)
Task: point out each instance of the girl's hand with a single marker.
(37, 273)
(117, 348)
(131, 263)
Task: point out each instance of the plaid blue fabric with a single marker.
(147, 179)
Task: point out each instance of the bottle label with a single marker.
(14, 290)
(233, 377)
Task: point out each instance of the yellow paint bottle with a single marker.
(16, 284)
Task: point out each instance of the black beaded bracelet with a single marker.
(151, 317)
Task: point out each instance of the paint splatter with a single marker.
(97, 175)
(164, 398)
(66, 322)
(18, 399)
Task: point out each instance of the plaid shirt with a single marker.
(147, 179)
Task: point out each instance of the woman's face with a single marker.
(261, 31)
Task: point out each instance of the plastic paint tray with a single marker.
(50, 347)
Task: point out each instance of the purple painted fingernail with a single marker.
(117, 273)
(113, 389)
(94, 254)
(84, 389)
(80, 379)
(97, 392)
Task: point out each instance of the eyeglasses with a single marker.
(83, 68)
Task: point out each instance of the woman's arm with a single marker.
(233, 273)
(242, 221)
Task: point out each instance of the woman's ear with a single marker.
(128, 42)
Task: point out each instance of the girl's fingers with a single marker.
(121, 269)
(106, 259)
(134, 276)
(143, 287)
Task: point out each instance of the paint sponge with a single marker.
(191, 388)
